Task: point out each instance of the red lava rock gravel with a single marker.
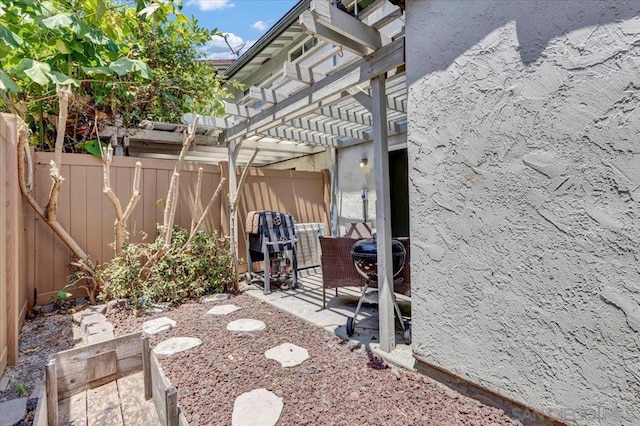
(339, 385)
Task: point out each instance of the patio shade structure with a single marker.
(301, 110)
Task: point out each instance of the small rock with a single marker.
(47, 309)
(257, 408)
(92, 319)
(288, 354)
(99, 328)
(100, 337)
(246, 325)
(223, 309)
(158, 325)
(175, 345)
(4, 383)
(80, 301)
(214, 297)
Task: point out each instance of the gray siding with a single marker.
(524, 165)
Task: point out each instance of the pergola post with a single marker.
(383, 213)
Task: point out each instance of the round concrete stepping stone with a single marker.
(158, 325)
(257, 408)
(214, 297)
(246, 325)
(288, 354)
(223, 309)
(175, 345)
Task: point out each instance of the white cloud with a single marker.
(217, 48)
(212, 4)
(260, 25)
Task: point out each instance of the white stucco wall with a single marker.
(524, 164)
(351, 180)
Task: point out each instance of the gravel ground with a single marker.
(39, 338)
(339, 385)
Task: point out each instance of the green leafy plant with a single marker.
(183, 272)
(126, 62)
(21, 389)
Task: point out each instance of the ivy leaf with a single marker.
(60, 78)
(61, 20)
(93, 147)
(35, 70)
(9, 37)
(142, 68)
(7, 84)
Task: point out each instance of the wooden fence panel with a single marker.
(3, 245)
(89, 216)
(298, 193)
(13, 283)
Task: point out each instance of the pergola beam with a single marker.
(346, 25)
(300, 135)
(323, 92)
(310, 25)
(159, 136)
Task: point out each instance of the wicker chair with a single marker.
(338, 270)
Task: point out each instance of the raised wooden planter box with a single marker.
(75, 370)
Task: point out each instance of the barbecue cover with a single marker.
(273, 226)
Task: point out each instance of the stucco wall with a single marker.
(351, 180)
(524, 164)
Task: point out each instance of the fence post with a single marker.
(146, 368)
(173, 418)
(52, 393)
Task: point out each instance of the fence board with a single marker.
(300, 194)
(3, 246)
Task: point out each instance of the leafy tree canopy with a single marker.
(137, 60)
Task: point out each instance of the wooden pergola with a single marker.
(303, 111)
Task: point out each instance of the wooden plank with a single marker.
(3, 247)
(324, 91)
(40, 416)
(319, 29)
(295, 72)
(173, 417)
(159, 384)
(157, 136)
(52, 393)
(12, 236)
(383, 215)
(73, 365)
(104, 403)
(101, 365)
(146, 367)
(135, 410)
(93, 211)
(346, 25)
(78, 409)
(240, 110)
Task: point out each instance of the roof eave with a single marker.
(280, 26)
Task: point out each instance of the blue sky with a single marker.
(245, 21)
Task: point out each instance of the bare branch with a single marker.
(174, 186)
(197, 201)
(236, 197)
(212, 200)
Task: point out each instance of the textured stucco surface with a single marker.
(351, 179)
(524, 165)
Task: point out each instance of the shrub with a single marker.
(180, 274)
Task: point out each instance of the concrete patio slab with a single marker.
(306, 304)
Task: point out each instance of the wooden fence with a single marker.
(13, 288)
(89, 216)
